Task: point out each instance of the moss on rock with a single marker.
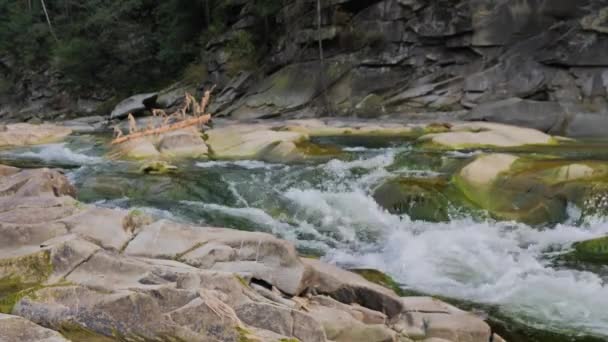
(380, 278)
(419, 198)
(78, 333)
(594, 251)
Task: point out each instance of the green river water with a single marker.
(509, 270)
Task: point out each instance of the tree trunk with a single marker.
(48, 20)
(321, 58)
(208, 13)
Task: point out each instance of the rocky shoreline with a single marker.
(93, 273)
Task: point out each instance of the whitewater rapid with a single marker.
(328, 208)
(499, 263)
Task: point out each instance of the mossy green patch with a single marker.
(514, 194)
(22, 276)
(242, 280)
(244, 335)
(595, 251)
(157, 167)
(77, 333)
(12, 289)
(419, 198)
(314, 150)
(196, 246)
(380, 278)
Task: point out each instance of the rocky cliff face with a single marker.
(537, 63)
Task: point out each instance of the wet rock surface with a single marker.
(108, 274)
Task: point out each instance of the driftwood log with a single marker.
(198, 117)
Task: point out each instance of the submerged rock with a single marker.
(595, 251)
(420, 199)
(492, 183)
(23, 134)
(103, 274)
(157, 167)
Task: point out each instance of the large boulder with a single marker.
(247, 141)
(511, 188)
(133, 105)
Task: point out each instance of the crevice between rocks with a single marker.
(64, 277)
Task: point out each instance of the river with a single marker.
(326, 208)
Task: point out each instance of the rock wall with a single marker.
(536, 63)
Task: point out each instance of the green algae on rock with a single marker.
(157, 167)
(419, 198)
(489, 183)
(595, 251)
(380, 278)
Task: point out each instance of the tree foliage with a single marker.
(132, 45)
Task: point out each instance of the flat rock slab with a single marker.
(23, 134)
(485, 134)
(15, 328)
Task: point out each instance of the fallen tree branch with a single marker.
(198, 117)
(193, 121)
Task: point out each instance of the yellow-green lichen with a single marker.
(244, 335)
(77, 333)
(379, 278)
(242, 280)
(12, 290)
(311, 149)
(21, 276)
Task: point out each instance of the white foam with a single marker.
(57, 153)
(245, 164)
(273, 225)
(339, 167)
(355, 149)
(464, 155)
(495, 263)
